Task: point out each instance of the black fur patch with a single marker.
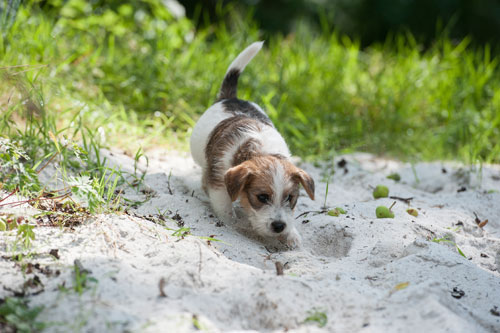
(244, 108)
(229, 86)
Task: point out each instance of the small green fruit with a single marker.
(340, 210)
(333, 212)
(380, 191)
(336, 212)
(383, 212)
(394, 176)
(412, 212)
(3, 226)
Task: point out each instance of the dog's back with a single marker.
(228, 108)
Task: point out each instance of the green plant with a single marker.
(318, 317)
(181, 232)
(28, 150)
(414, 170)
(8, 11)
(139, 153)
(15, 314)
(82, 278)
(16, 172)
(148, 82)
(25, 235)
(446, 239)
(326, 191)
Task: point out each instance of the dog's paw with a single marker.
(294, 240)
(226, 219)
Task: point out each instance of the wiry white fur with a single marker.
(273, 142)
(221, 203)
(215, 114)
(245, 57)
(201, 131)
(277, 211)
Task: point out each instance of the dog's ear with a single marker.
(307, 182)
(235, 179)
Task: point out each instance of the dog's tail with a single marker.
(230, 83)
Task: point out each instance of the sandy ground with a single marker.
(365, 274)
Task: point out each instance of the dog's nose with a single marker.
(278, 226)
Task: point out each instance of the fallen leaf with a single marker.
(401, 286)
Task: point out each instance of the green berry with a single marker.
(333, 212)
(340, 210)
(384, 212)
(3, 226)
(336, 212)
(394, 176)
(380, 191)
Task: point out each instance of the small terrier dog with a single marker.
(243, 156)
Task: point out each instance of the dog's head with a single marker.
(268, 188)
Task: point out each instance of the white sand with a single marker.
(349, 268)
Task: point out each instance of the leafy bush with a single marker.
(142, 71)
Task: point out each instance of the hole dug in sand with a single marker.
(330, 241)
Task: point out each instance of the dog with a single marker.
(244, 157)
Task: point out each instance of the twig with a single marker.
(161, 285)
(18, 203)
(477, 218)
(48, 162)
(312, 211)
(405, 200)
(199, 265)
(478, 221)
(10, 194)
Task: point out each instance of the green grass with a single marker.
(139, 80)
(447, 239)
(16, 316)
(318, 317)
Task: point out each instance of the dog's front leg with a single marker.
(221, 204)
(293, 239)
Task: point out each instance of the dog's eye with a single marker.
(264, 198)
(289, 198)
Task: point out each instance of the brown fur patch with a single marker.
(235, 180)
(246, 151)
(252, 173)
(306, 181)
(259, 175)
(224, 137)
